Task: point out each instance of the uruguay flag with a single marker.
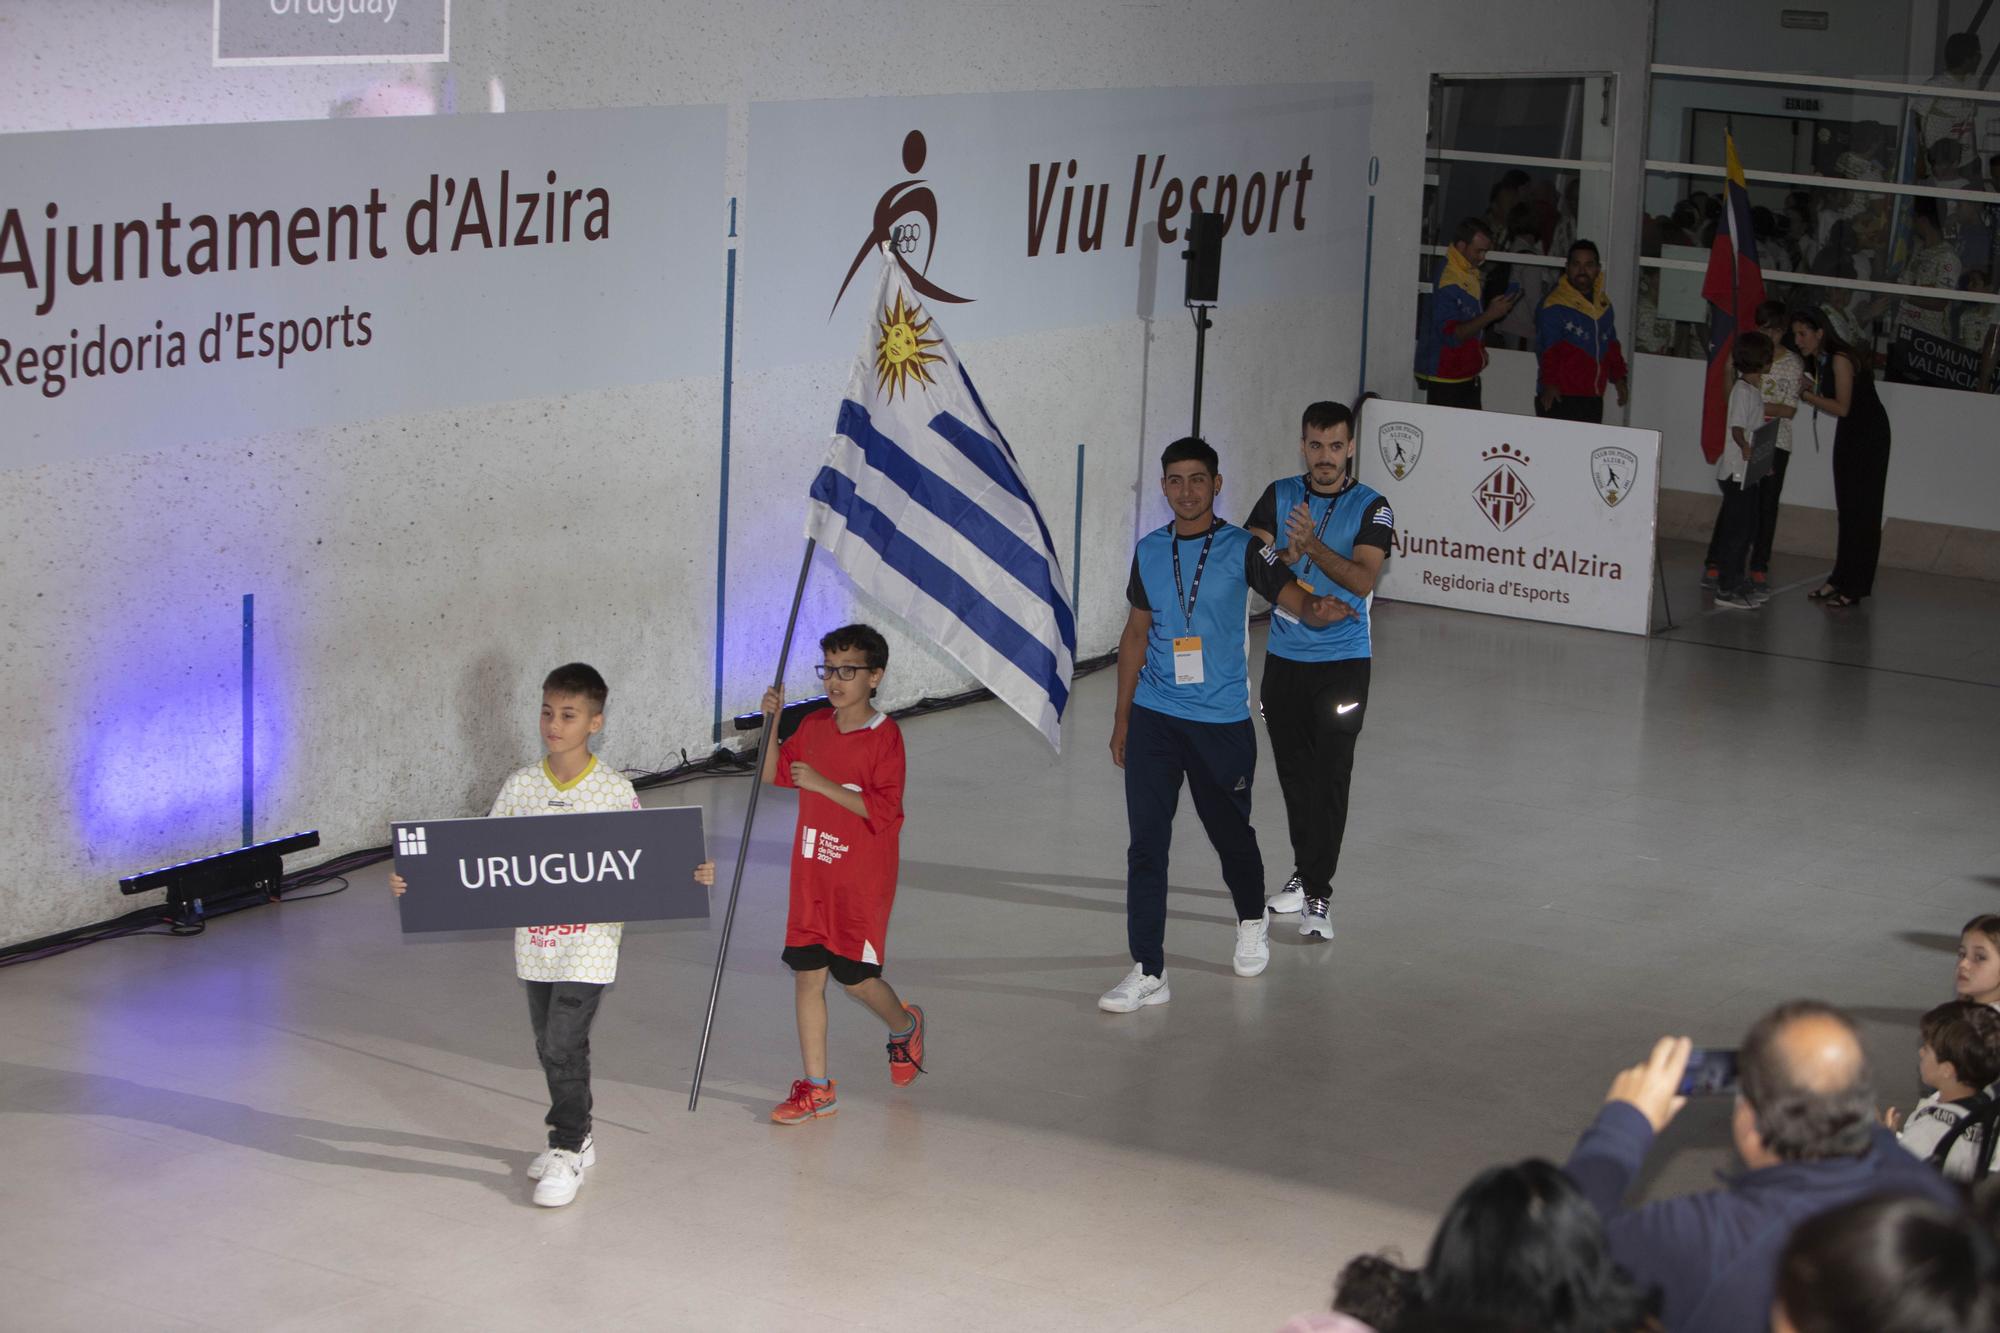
(1733, 288)
(922, 502)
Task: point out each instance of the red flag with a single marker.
(1734, 288)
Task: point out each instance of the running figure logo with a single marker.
(902, 215)
(1502, 496)
(1401, 444)
(1613, 471)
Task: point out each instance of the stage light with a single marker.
(254, 870)
(788, 720)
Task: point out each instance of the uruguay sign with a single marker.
(622, 865)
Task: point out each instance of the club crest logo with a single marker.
(906, 218)
(1501, 495)
(1402, 445)
(1613, 472)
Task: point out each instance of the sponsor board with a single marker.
(621, 865)
(193, 283)
(1518, 516)
(1018, 212)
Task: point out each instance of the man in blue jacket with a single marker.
(1805, 1127)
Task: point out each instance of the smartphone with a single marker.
(1710, 1073)
(1513, 289)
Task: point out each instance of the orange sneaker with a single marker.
(906, 1054)
(807, 1102)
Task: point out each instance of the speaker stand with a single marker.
(1202, 324)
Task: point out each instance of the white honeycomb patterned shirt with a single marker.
(581, 952)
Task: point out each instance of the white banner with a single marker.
(1516, 516)
(208, 282)
(1013, 212)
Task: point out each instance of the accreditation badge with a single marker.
(1286, 616)
(1187, 660)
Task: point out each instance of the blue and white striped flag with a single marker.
(923, 504)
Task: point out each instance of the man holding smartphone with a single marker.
(1452, 320)
(1804, 1125)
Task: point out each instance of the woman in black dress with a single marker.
(1843, 388)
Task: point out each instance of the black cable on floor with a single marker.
(151, 920)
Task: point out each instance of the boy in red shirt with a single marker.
(847, 763)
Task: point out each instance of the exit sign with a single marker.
(1812, 20)
(1801, 104)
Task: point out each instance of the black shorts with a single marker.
(812, 957)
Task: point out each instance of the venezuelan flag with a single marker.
(1734, 288)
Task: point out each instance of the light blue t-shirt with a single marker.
(1235, 563)
(1355, 515)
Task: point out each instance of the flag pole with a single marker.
(743, 844)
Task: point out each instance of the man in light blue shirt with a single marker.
(1184, 710)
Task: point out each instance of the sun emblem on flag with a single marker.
(901, 349)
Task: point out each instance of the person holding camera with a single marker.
(1804, 1125)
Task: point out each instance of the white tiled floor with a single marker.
(1563, 844)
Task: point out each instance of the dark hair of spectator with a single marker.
(1577, 245)
(1925, 210)
(580, 679)
(1325, 416)
(1987, 924)
(1686, 216)
(1961, 52)
(1798, 1123)
(1470, 230)
(867, 639)
(1831, 344)
(1753, 354)
(1893, 1265)
(1965, 1035)
(1771, 314)
(1375, 1289)
(1522, 1246)
(1191, 449)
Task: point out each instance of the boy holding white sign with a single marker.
(566, 967)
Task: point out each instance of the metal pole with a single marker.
(743, 844)
(1201, 323)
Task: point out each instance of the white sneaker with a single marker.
(560, 1178)
(1136, 990)
(1253, 947)
(1290, 898)
(1313, 921)
(587, 1157)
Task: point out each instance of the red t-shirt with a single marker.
(844, 866)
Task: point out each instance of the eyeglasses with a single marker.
(845, 672)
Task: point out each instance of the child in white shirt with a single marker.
(1959, 1056)
(1737, 524)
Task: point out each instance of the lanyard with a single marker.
(1186, 600)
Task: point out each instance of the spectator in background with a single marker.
(1977, 974)
(1521, 1247)
(1517, 327)
(1933, 263)
(1371, 1295)
(1686, 221)
(1780, 387)
(1892, 1265)
(1804, 1125)
(1942, 117)
(1576, 342)
(1973, 325)
(1452, 318)
(1958, 1057)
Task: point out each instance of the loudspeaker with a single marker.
(1204, 257)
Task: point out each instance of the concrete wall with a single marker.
(402, 633)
